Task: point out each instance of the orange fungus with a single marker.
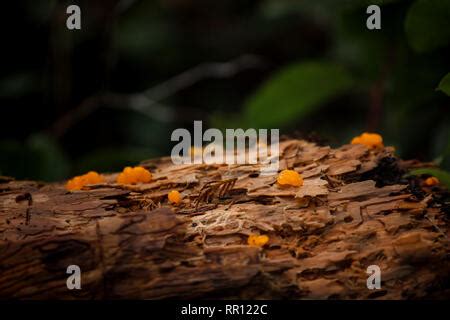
(174, 197)
(431, 181)
(78, 182)
(257, 241)
(133, 175)
(290, 177)
(371, 140)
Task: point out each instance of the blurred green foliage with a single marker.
(294, 92)
(39, 157)
(323, 72)
(427, 24)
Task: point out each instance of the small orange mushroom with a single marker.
(257, 240)
(371, 140)
(290, 177)
(78, 182)
(431, 181)
(174, 197)
(134, 175)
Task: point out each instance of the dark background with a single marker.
(111, 93)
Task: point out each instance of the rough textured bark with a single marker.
(355, 209)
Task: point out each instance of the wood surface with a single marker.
(355, 209)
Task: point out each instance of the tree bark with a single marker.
(355, 209)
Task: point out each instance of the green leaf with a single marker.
(294, 92)
(443, 176)
(444, 85)
(427, 24)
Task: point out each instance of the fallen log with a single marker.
(355, 209)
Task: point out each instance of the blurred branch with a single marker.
(147, 102)
(203, 71)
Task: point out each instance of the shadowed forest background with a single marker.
(111, 93)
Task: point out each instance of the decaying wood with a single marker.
(130, 243)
